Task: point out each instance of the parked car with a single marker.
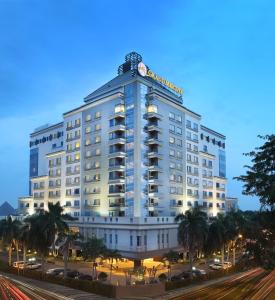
(32, 266)
(55, 271)
(228, 264)
(72, 274)
(198, 272)
(181, 276)
(16, 264)
(84, 277)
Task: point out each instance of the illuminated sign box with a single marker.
(142, 69)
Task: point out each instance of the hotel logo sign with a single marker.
(143, 71)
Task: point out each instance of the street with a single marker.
(20, 288)
(255, 284)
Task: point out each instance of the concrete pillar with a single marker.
(137, 263)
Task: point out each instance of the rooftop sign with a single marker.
(143, 71)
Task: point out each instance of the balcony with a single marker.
(118, 127)
(118, 115)
(176, 204)
(116, 193)
(119, 203)
(155, 168)
(114, 154)
(192, 184)
(153, 115)
(87, 192)
(37, 188)
(153, 141)
(54, 196)
(91, 205)
(194, 196)
(117, 140)
(154, 181)
(154, 154)
(153, 128)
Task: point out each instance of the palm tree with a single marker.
(92, 249)
(55, 222)
(24, 238)
(9, 232)
(216, 238)
(192, 231)
(67, 240)
(40, 240)
(111, 255)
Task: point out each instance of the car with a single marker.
(72, 273)
(198, 272)
(216, 266)
(181, 276)
(228, 264)
(16, 264)
(55, 271)
(84, 277)
(32, 266)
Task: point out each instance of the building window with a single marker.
(152, 108)
(97, 139)
(179, 118)
(138, 240)
(98, 115)
(171, 140)
(97, 127)
(171, 116)
(131, 241)
(204, 148)
(88, 118)
(172, 152)
(178, 130)
(172, 128)
(88, 129)
(119, 108)
(116, 238)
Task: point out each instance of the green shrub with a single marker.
(162, 277)
(102, 276)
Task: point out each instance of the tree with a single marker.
(259, 179)
(9, 232)
(92, 249)
(234, 224)
(55, 222)
(24, 238)
(216, 238)
(192, 231)
(67, 240)
(41, 239)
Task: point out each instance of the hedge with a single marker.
(95, 287)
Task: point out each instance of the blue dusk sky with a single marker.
(54, 53)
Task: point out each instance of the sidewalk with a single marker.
(59, 290)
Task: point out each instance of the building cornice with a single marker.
(43, 130)
(211, 131)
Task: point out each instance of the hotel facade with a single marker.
(127, 161)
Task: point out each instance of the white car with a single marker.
(216, 266)
(32, 266)
(55, 271)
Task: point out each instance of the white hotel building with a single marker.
(126, 162)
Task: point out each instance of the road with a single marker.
(255, 284)
(17, 290)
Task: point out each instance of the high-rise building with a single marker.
(127, 161)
